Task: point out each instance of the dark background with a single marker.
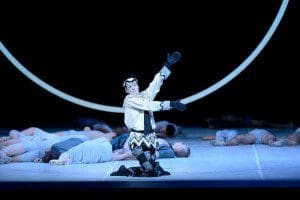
(88, 49)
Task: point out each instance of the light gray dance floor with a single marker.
(206, 163)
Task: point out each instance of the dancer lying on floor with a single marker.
(33, 132)
(163, 129)
(119, 145)
(233, 121)
(231, 137)
(89, 152)
(292, 139)
(33, 142)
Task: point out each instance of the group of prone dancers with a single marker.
(94, 144)
(231, 137)
(141, 143)
(111, 144)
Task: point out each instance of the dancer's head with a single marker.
(166, 131)
(3, 139)
(181, 150)
(293, 136)
(268, 137)
(47, 157)
(131, 85)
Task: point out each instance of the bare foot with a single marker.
(217, 143)
(4, 159)
(56, 162)
(279, 143)
(68, 161)
(112, 134)
(87, 128)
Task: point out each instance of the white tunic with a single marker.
(135, 105)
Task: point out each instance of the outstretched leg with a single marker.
(217, 143)
(10, 142)
(4, 159)
(209, 137)
(14, 134)
(283, 142)
(13, 150)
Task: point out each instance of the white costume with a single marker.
(138, 110)
(135, 105)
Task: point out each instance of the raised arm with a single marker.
(163, 74)
(155, 85)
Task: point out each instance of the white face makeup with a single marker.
(132, 87)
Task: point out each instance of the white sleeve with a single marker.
(157, 82)
(143, 104)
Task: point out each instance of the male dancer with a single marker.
(139, 108)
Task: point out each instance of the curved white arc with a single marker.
(186, 100)
(55, 91)
(245, 63)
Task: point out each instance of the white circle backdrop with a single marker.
(187, 100)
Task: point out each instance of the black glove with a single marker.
(177, 105)
(172, 59)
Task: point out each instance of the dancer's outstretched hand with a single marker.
(172, 59)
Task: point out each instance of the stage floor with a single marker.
(206, 163)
